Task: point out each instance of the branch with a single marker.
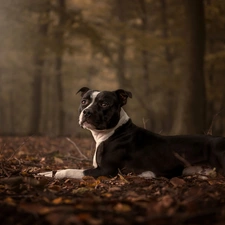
(18, 149)
(186, 163)
(209, 132)
(74, 144)
(144, 121)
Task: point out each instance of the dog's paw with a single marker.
(147, 175)
(200, 171)
(46, 174)
(68, 173)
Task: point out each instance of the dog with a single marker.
(123, 146)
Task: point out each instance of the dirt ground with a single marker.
(26, 199)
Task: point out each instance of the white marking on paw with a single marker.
(202, 172)
(68, 173)
(46, 174)
(147, 175)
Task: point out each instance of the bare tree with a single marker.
(191, 108)
(121, 64)
(39, 61)
(59, 37)
(165, 33)
(170, 62)
(144, 52)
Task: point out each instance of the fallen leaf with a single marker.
(113, 189)
(90, 182)
(81, 191)
(54, 188)
(119, 207)
(176, 182)
(58, 160)
(9, 201)
(166, 201)
(36, 208)
(107, 195)
(57, 201)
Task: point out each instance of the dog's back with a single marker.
(138, 150)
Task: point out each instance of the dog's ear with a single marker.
(123, 95)
(83, 90)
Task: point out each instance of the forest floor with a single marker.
(26, 199)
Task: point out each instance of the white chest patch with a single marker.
(102, 135)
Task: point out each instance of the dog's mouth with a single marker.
(87, 125)
(90, 126)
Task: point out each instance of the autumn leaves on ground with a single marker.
(27, 199)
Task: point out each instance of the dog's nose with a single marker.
(87, 112)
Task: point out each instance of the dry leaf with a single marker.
(58, 160)
(81, 191)
(176, 182)
(57, 201)
(122, 207)
(9, 201)
(54, 188)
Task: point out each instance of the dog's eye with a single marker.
(84, 102)
(104, 104)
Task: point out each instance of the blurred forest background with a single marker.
(169, 53)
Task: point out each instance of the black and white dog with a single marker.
(123, 146)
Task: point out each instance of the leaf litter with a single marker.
(124, 199)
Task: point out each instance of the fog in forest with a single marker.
(170, 54)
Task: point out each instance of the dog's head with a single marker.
(100, 110)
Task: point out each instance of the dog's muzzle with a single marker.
(85, 119)
(87, 112)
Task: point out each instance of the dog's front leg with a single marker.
(101, 171)
(78, 174)
(68, 173)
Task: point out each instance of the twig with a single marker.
(77, 159)
(2, 147)
(122, 177)
(186, 163)
(160, 131)
(144, 121)
(3, 169)
(74, 144)
(209, 132)
(17, 150)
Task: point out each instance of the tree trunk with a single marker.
(144, 53)
(58, 63)
(60, 96)
(168, 122)
(38, 72)
(36, 95)
(191, 108)
(12, 111)
(2, 113)
(121, 64)
(211, 103)
(149, 114)
(165, 34)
